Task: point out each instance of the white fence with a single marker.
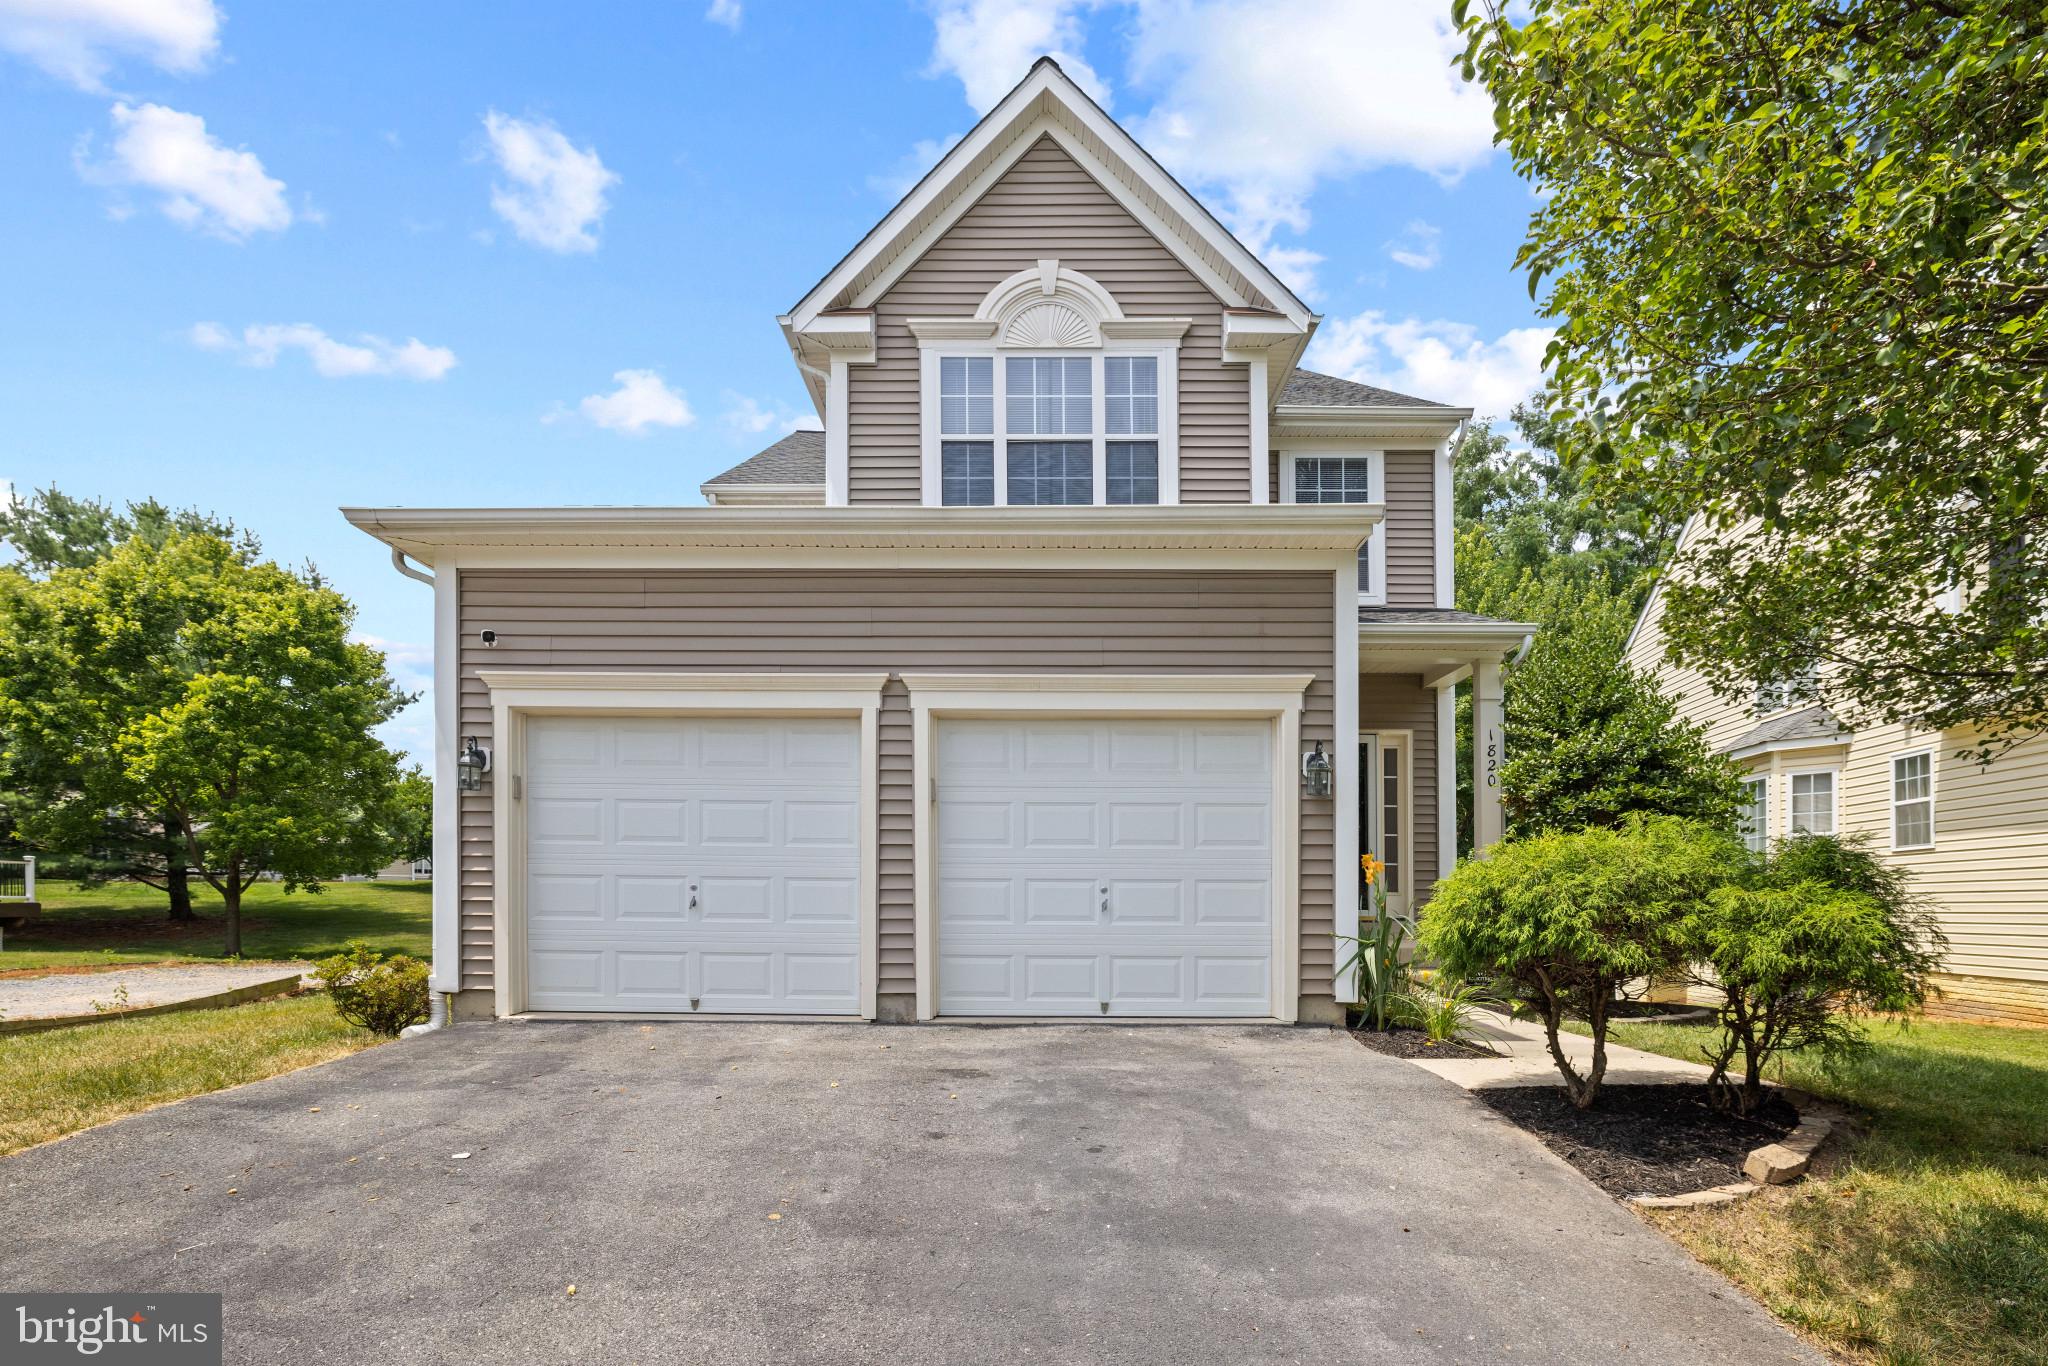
(18, 878)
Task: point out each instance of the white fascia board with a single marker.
(1812, 745)
(1470, 637)
(762, 495)
(1045, 88)
(431, 534)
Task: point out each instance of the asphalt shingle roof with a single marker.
(1813, 723)
(1310, 389)
(1426, 616)
(798, 458)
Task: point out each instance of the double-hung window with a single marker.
(1341, 479)
(1913, 801)
(1131, 410)
(1810, 809)
(1755, 820)
(1049, 430)
(967, 448)
(1023, 429)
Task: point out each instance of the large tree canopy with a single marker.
(178, 678)
(1799, 254)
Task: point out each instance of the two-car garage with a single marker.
(679, 860)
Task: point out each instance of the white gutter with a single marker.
(445, 812)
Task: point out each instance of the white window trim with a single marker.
(1402, 742)
(519, 694)
(1376, 495)
(1892, 798)
(1763, 831)
(1834, 773)
(1166, 352)
(1276, 698)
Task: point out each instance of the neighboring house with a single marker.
(1975, 838)
(993, 698)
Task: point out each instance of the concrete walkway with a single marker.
(1526, 1060)
(64, 994)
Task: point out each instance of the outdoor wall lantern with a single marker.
(471, 765)
(1316, 778)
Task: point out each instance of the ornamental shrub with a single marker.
(380, 994)
(1822, 930)
(1563, 920)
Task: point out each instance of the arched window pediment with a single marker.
(1049, 306)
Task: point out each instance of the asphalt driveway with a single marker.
(750, 1193)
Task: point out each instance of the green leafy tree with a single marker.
(414, 833)
(1823, 930)
(1796, 248)
(52, 530)
(1564, 920)
(178, 678)
(1592, 741)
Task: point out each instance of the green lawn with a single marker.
(128, 923)
(1922, 1240)
(62, 1080)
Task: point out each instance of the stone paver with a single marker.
(60, 995)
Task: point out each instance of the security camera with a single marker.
(490, 637)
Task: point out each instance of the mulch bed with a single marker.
(1644, 1139)
(1403, 1042)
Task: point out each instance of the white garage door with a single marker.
(689, 864)
(1105, 868)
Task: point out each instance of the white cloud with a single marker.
(1253, 101)
(219, 190)
(642, 400)
(79, 41)
(922, 156)
(1260, 100)
(990, 44)
(1448, 362)
(746, 415)
(262, 343)
(554, 192)
(725, 12)
(1419, 247)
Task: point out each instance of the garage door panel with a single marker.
(729, 821)
(652, 898)
(565, 896)
(651, 821)
(1039, 823)
(1063, 980)
(821, 900)
(821, 825)
(1060, 825)
(1061, 901)
(565, 820)
(631, 820)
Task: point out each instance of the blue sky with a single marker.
(270, 260)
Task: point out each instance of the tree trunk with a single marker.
(1587, 1091)
(231, 893)
(177, 874)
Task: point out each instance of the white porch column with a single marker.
(1488, 754)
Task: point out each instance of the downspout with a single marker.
(437, 1001)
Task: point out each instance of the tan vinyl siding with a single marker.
(1048, 621)
(1410, 528)
(1046, 206)
(1401, 702)
(1988, 871)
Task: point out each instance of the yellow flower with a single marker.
(1371, 867)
